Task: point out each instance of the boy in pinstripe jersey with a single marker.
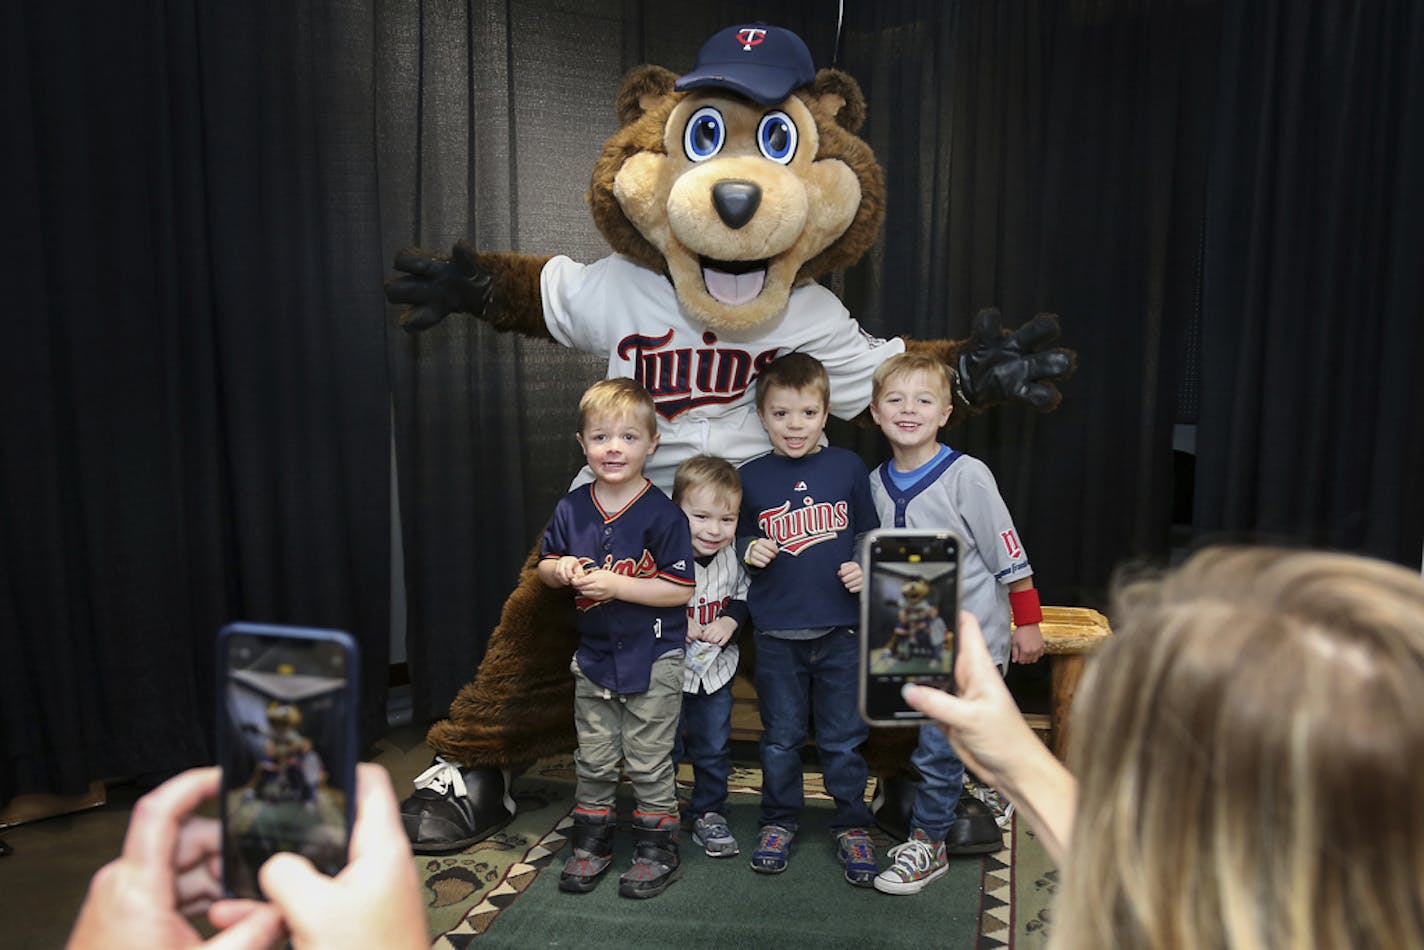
(709, 492)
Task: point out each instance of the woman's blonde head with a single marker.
(1250, 752)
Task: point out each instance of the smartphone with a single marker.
(286, 739)
(909, 619)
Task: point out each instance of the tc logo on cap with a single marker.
(750, 36)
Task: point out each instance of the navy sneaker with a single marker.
(855, 851)
(773, 849)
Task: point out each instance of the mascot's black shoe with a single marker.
(973, 830)
(893, 802)
(453, 807)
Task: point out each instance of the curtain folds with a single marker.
(195, 425)
(1312, 415)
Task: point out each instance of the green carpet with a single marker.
(496, 894)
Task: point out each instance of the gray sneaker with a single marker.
(710, 833)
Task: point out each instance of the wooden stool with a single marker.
(1069, 635)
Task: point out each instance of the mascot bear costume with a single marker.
(724, 194)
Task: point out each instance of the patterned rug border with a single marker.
(515, 881)
(996, 895)
(996, 915)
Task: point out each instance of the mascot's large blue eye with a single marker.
(704, 135)
(776, 137)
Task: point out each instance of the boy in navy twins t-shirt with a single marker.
(626, 551)
(805, 507)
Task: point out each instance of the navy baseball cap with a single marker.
(764, 63)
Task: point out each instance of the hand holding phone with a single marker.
(375, 901)
(287, 747)
(164, 876)
(909, 617)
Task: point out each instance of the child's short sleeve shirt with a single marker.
(648, 538)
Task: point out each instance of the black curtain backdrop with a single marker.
(1312, 411)
(1222, 200)
(195, 424)
(1048, 156)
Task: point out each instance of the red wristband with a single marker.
(1025, 607)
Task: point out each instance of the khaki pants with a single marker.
(635, 732)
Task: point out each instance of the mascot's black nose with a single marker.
(736, 202)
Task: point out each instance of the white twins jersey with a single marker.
(702, 381)
(718, 581)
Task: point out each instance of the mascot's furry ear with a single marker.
(642, 89)
(836, 97)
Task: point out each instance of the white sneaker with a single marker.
(1002, 808)
(917, 862)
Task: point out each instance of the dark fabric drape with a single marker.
(1312, 414)
(195, 421)
(1048, 157)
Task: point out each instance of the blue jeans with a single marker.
(796, 680)
(941, 780)
(704, 737)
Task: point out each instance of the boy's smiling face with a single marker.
(911, 409)
(616, 446)
(794, 419)
(712, 518)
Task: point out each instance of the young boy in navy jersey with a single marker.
(626, 551)
(804, 508)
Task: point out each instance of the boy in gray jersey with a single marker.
(929, 485)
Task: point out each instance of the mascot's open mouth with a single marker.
(734, 282)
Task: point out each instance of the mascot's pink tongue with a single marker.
(733, 289)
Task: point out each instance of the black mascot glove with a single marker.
(439, 286)
(999, 365)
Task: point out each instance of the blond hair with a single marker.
(707, 471)
(619, 398)
(909, 363)
(797, 371)
(1250, 748)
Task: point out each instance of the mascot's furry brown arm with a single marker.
(725, 195)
